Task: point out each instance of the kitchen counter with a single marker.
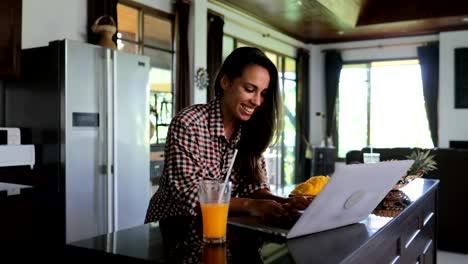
(16, 228)
(9, 189)
(407, 237)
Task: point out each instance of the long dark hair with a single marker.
(264, 127)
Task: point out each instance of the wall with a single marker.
(453, 123)
(163, 5)
(316, 95)
(197, 45)
(47, 20)
(404, 50)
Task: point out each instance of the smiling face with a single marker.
(243, 95)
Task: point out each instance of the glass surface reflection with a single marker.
(183, 243)
(214, 254)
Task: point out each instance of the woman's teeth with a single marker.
(248, 110)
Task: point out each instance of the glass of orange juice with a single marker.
(214, 197)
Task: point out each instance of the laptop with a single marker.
(351, 194)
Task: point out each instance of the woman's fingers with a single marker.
(300, 202)
(270, 210)
(277, 209)
(267, 208)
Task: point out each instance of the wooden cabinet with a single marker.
(409, 238)
(10, 38)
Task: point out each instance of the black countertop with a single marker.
(146, 243)
(10, 189)
(16, 214)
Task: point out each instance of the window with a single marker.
(280, 158)
(381, 104)
(150, 32)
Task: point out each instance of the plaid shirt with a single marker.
(197, 149)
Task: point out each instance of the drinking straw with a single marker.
(227, 176)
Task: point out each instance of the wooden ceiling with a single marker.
(328, 21)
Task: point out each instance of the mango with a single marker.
(312, 186)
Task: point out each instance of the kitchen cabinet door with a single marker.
(10, 38)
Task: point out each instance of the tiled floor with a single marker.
(445, 257)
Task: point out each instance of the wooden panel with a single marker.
(379, 12)
(327, 21)
(397, 29)
(346, 10)
(302, 21)
(10, 38)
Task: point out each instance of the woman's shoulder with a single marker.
(190, 115)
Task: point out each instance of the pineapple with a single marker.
(423, 163)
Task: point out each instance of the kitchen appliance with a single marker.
(17, 155)
(13, 135)
(87, 108)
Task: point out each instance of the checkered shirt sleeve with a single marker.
(185, 168)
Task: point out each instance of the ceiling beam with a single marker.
(346, 10)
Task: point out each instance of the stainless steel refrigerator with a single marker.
(87, 108)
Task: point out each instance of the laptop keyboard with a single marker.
(283, 223)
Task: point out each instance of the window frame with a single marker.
(145, 10)
(142, 10)
(368, 63)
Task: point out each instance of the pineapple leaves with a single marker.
(423, 162)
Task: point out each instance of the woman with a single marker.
(246, 114)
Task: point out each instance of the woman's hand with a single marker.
(296, 203)
(267, 209)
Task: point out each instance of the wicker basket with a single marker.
(393, 203)
(106, 32)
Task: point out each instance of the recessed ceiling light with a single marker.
(465, 19)
(340, 32)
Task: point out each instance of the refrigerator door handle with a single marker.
(114, 143)
(109, 143)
